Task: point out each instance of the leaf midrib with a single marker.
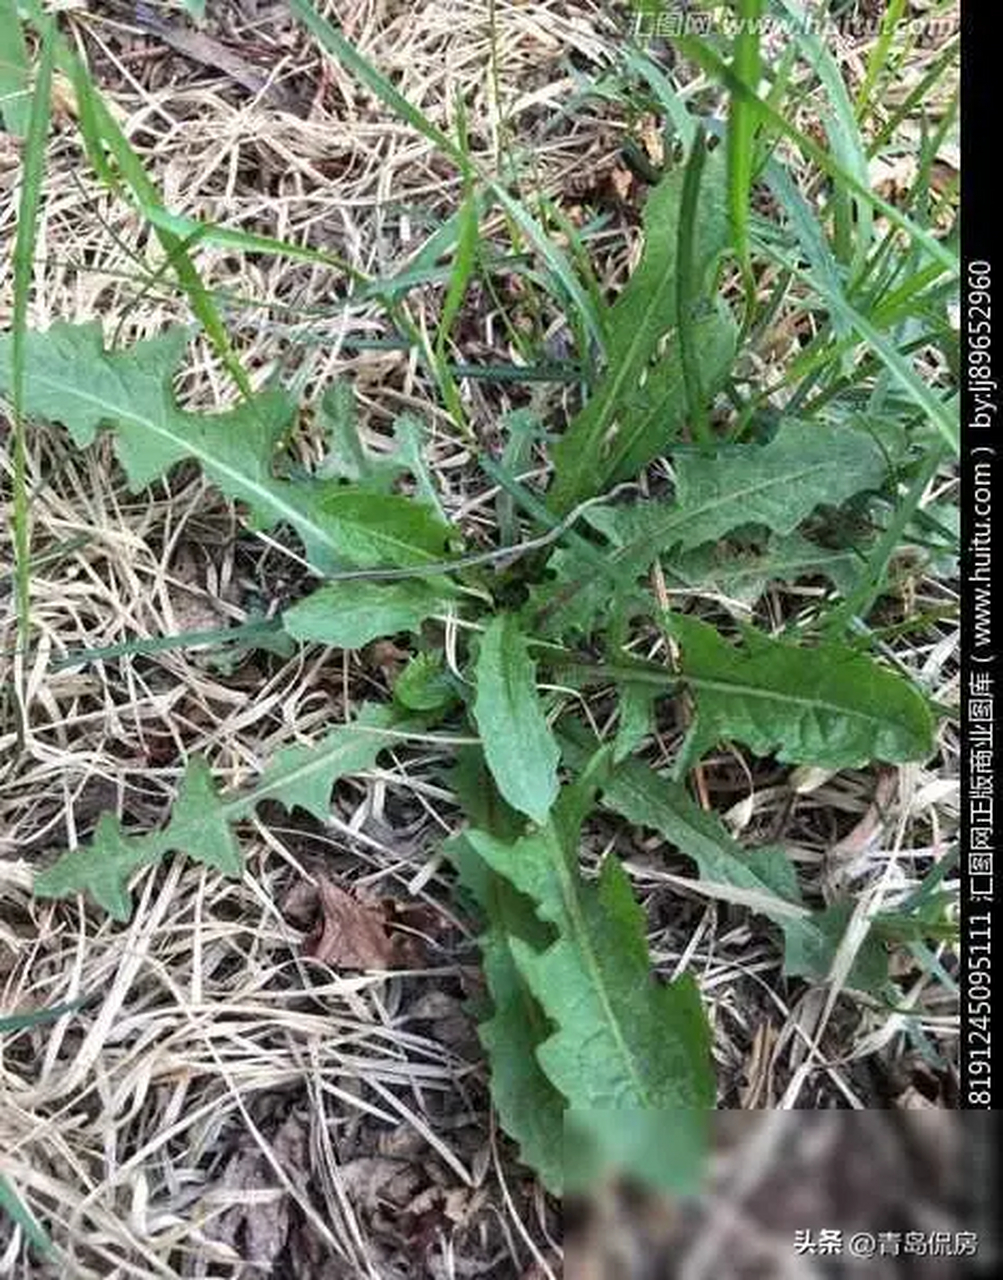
(685, 515)
(763, 694)
(324, 760)
(580, 933)
(268, 496)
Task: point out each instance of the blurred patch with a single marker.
(794, 1195)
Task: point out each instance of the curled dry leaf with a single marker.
(351, 934)
(349, 931)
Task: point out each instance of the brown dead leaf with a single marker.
(653, 141)
(258, 1223)
(941, 176)
(621, 180)
(300, 904)
(401, 1143)
(388, 658)
(461, 1204)
(371, 1179)
(352, 935)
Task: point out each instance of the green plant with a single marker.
(589, 1053)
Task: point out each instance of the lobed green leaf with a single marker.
(201, 823)
(829, 706)
(621, 1040)
(70, 378)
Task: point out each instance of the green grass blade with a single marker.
(464, 263)
(741, 143)
(917, 95)
(710, 62)
(853, 321)
(555, 260)
(335, 43)
(33, 172)
(463, 268)
(687, 287)
(100, 131)
(331, 39)
(675, 107)
(878, 56)
(38, 1017)
(854, 226)
(148, 198)
(247, 632)
(871, 581)
(943, 413)
(194, 231)
(642, 315)
(19, 1213)
(15, 108)
(423, 267)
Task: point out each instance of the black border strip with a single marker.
(981, 322)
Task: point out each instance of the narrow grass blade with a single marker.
(15, 93)
(555, 260)
(871, 581)
(19, 1213)
(709, 61)
(687, 286)
(259, 630)
(463, 265)
(878, 56)
(675, 107)
(150, 204)
(742, 124)
(38, 1017)
(941, 412)
(854, 226)
(33, 172)
(644, 313)
(463, 268)
(919, 93)
(192, 231)
(101, 130)
(335, 43)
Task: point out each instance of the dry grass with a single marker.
(215, 1104)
